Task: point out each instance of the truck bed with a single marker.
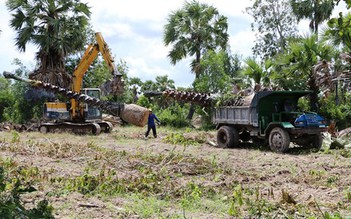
(233, 115)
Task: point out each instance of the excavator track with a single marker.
(106, 127)
(79, 128)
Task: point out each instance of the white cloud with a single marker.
(7, 41)
(242, 42)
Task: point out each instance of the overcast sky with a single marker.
(133, 29)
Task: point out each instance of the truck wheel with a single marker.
(316, 141)
(245, 136)
(279, 140)
(227, 137)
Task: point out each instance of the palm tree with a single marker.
(192, 31)
(299, 65)
(339, 31)
(315, 10)
(56, 27)
(258, 73)
(164, 83)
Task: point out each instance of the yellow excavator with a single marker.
(77, 115)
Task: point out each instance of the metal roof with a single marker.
(263, 94)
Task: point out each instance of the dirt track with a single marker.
(315, 182)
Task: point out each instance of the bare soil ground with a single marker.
(177, 175)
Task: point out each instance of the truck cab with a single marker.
(271, 117)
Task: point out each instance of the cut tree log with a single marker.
(135, 114)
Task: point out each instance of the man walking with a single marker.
(151, 124)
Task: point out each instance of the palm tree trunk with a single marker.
(191, 112)
(314, 95)
(197, 71)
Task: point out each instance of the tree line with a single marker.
(282, 58)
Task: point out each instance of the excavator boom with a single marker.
(90, 54)
(114, 86)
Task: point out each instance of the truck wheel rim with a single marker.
(223, 138)
(277, 140)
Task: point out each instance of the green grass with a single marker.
(168, 182)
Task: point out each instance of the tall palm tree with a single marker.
(56, 27)
(315, 10)
(193, 30)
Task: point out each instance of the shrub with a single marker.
(174, 115)
(11, 206)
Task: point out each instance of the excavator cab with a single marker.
(92, 113)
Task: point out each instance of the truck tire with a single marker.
(316, 141)
(279, 140)
(245, 136)
(227, 137)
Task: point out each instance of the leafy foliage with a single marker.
(6, 97)
(214, 77)
(11, 189)
(273, 25)
(339, 31)
(296, 66)
(315, 10)
(340, 113)
(174, 115)
(193, 30)
(257, 72)
(56, 27)
(24, 102)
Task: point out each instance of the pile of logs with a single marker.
(189, 96)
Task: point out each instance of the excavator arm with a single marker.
(114, 86)
(89, 56)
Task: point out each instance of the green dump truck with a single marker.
(269, 117)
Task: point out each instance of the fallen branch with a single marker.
(88, 205)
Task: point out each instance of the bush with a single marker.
(24, 106)
(174, 115)
(6, 97)
(340, 113)
(11, 206)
